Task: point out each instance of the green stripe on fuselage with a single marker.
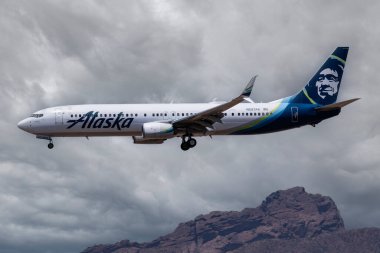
(257, 121)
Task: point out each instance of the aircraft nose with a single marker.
(22, 124)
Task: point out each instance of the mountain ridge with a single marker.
(286, 218)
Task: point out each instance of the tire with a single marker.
(185, 146)
(192, 142)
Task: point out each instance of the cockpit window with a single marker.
(36, 115)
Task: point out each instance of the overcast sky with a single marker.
(103, 190)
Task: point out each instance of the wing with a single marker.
(203, 121)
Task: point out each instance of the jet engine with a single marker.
(157, 130)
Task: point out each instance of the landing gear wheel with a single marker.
(185, 146)
(192, 142)
(50, 145)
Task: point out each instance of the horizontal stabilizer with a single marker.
(335, 106)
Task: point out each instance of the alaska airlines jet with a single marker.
(155, 123)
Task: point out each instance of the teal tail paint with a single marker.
(323, 87)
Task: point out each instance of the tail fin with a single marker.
(323, 87)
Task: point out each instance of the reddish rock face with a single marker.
(365, 240)
(288, 214)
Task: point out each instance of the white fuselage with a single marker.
(128, 119)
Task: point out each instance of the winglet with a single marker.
(248, 89)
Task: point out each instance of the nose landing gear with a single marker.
(50, 145)
(188, 143)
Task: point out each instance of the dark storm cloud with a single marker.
(107, 189)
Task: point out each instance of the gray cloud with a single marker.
(107, 189)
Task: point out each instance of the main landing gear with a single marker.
(188, 142)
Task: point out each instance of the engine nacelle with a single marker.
(157, 130)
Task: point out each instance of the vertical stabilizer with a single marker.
(324, 86)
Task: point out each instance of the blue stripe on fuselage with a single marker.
(281, 119)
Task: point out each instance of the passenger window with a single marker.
(71, 115)
(232, 114)
(183, 114)
(250, 114)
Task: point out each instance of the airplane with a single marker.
(155, 123)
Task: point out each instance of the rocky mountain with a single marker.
(287, 221)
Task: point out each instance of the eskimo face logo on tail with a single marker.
(91, 120)
(324, 87)
(327, 83)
